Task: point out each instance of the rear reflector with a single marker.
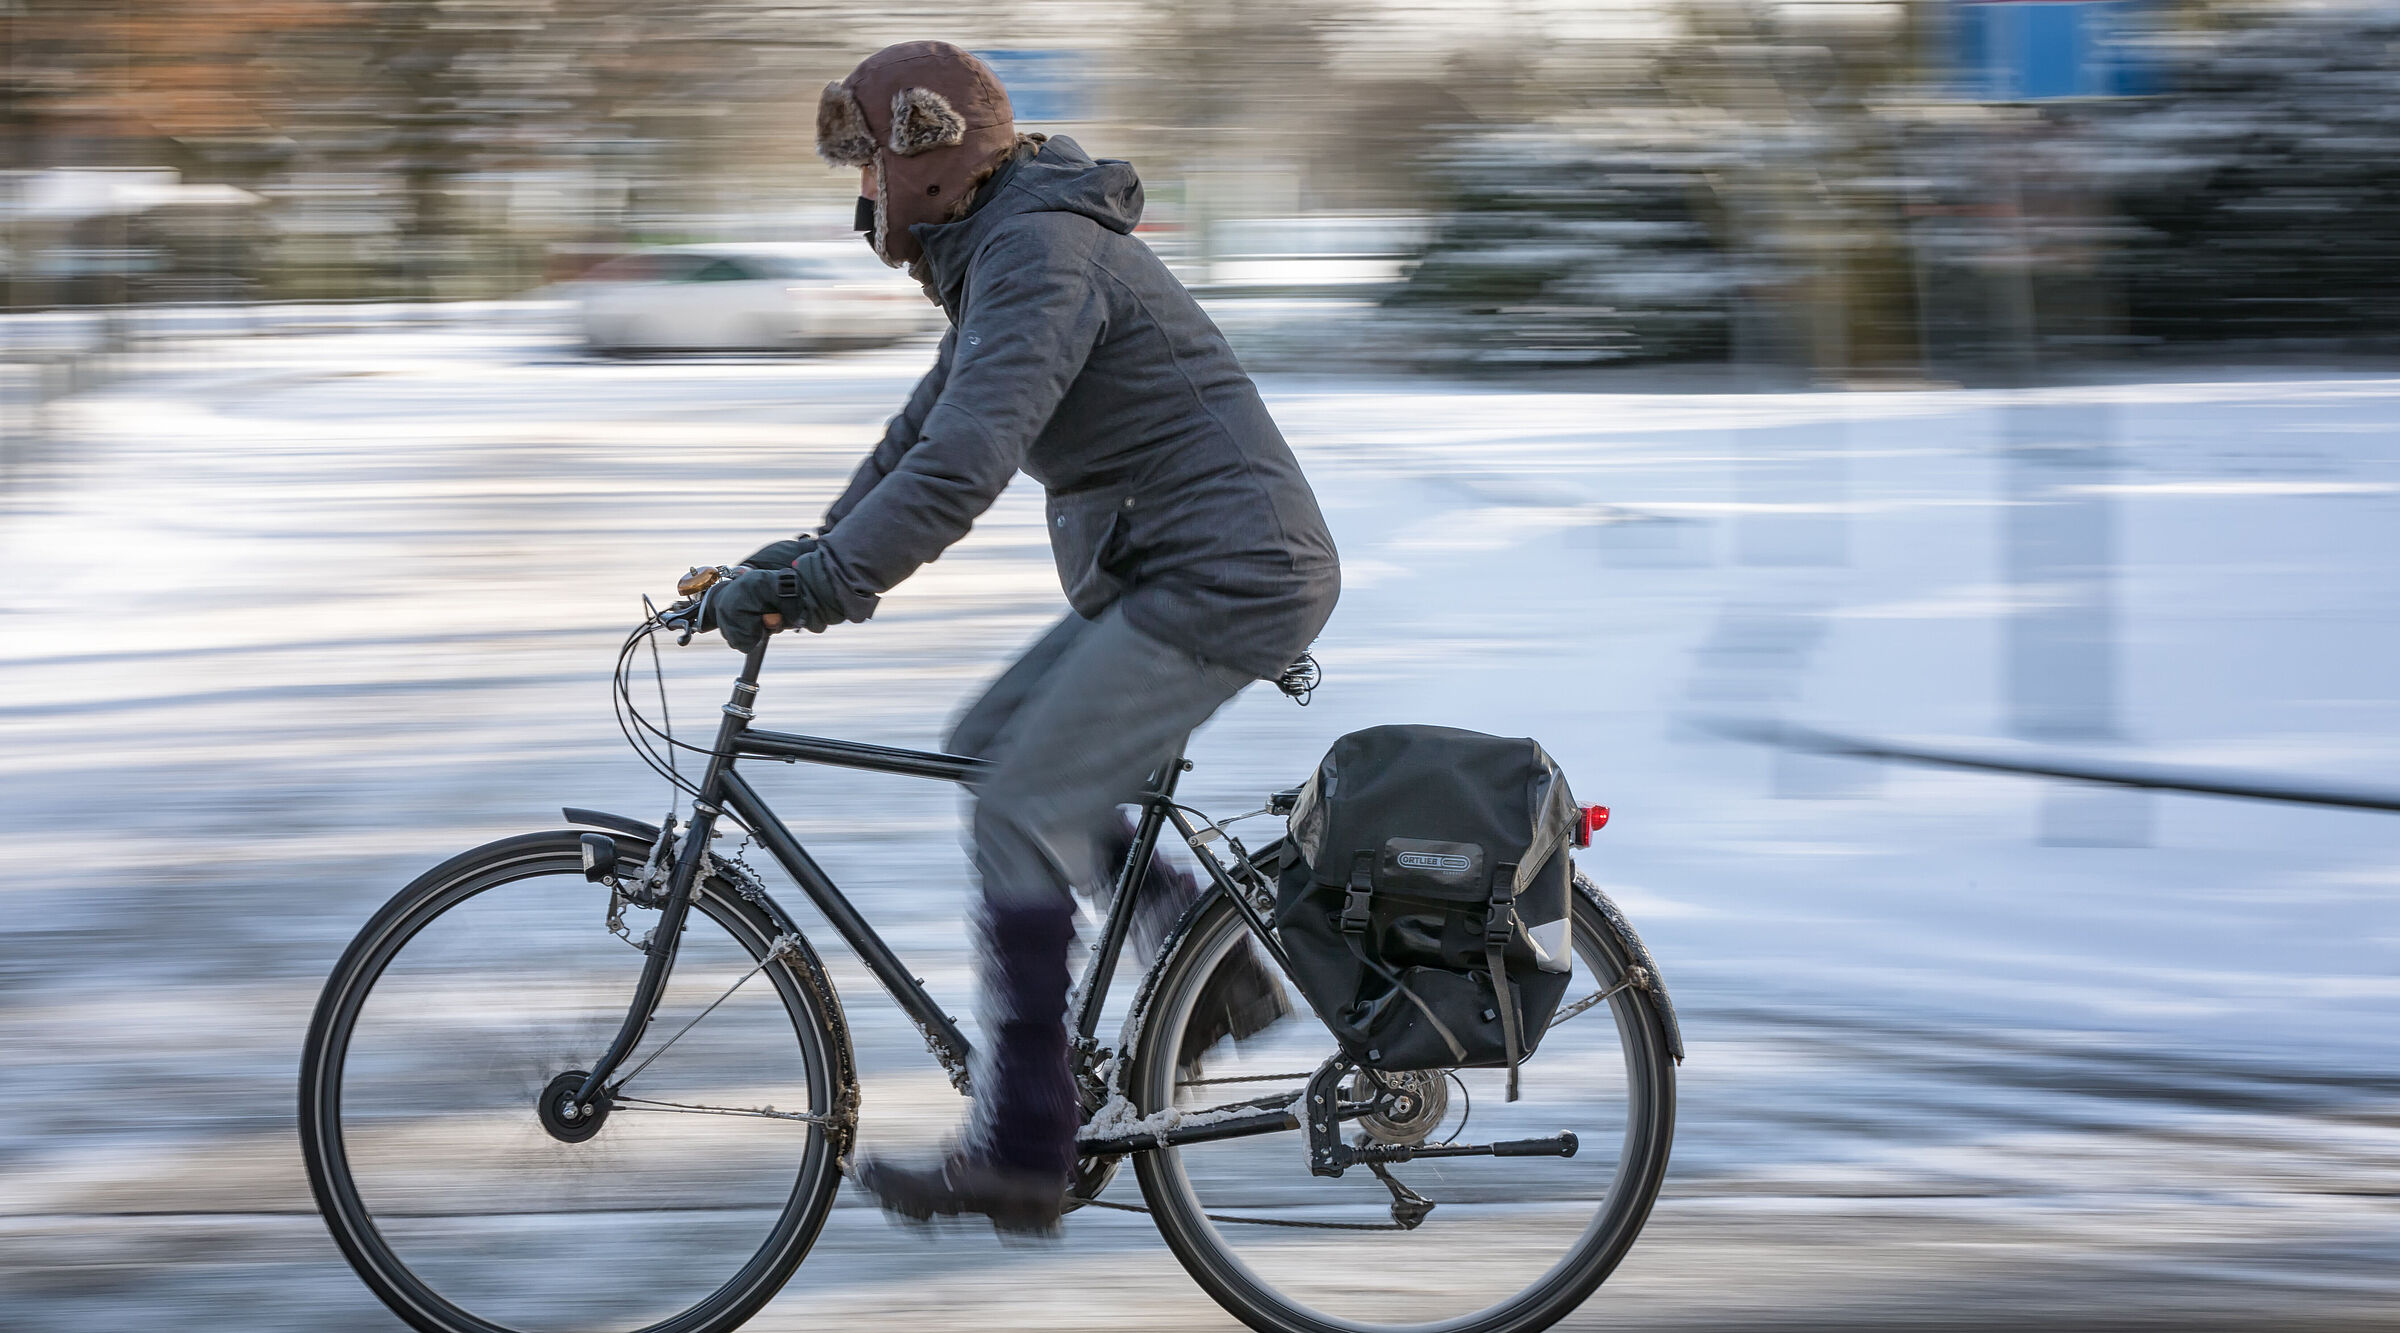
(1595, 818)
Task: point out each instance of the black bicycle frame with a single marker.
(723, 789)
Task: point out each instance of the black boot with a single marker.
(1018, 1202)
(1012, 1163)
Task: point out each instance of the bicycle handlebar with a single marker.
(692, 595)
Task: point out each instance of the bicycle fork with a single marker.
(691, 859)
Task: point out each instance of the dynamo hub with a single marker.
(562, 1117)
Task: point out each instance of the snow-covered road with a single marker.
(290, 619)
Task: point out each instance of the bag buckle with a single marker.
(1354, 908)
(1500, 924)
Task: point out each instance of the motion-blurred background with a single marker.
(2010, 379)
(1840, 187)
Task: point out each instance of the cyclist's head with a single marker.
(926, 122)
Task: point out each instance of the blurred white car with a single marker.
(759, 297)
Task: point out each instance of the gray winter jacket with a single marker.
(1074, 355)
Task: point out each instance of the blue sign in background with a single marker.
(2028, 50)
(1044, 87)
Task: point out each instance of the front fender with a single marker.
(576, 814)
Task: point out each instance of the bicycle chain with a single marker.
(1258, 1221)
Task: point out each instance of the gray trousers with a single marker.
(1074, 727)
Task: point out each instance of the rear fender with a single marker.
(1638, 954)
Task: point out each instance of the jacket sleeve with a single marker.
(899, 435)
(1031, 317)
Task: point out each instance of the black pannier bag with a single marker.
(1426, 910)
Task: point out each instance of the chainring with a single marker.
(1091, 1174)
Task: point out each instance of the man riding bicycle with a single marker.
(1188, 542)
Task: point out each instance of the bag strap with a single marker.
(1357, 903)
(1499, 927)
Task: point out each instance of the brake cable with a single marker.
(666, 718)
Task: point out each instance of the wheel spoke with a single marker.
(1635, 979)
(776, 950)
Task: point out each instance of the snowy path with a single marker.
(293, 619)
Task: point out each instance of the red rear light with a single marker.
(1595, 818)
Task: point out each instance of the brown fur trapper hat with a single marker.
(931, 120)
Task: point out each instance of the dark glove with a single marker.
(780, 555)
(802, 594)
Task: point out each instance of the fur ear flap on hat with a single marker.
(843, 139)
(923, 119)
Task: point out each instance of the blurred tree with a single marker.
(1704, 201)
(397, 138)
(1577, 244)
(2265, 188)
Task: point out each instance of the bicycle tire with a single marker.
(724, 896)
(1184, 1221)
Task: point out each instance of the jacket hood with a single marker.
(1055, 177)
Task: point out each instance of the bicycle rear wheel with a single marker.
(478, 992)
(1510, 1245)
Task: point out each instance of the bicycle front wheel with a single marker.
(430, 1110)
(1509, 1245)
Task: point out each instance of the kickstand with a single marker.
(1408, 1206)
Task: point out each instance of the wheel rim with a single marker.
(1510, 1242)
(467, 1211)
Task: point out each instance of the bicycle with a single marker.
(480, 1148)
